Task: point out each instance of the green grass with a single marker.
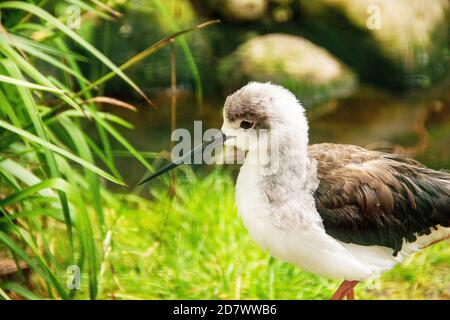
(53, 195)
(195, 246)
(47, 170)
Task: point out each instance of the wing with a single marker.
(373, 198)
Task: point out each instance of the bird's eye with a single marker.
(246, 124)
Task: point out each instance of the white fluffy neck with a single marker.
(287, 191)
(288, 167)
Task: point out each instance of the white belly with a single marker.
(307, 246)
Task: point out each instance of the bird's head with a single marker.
(257, 117)
(259, 109)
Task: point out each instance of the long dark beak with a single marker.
(215, 141)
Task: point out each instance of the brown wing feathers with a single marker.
(373, 198)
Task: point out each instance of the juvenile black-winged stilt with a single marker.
(339, 211)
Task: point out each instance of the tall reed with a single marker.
(53, 174)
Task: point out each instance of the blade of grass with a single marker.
(88, 8)
(106, 8)
(56, 183)
(112, 101)
(31, 71)
(66, 30)
(88, 95)
(21, 291)
(32, 111)
(147, 52)
(102, 156)
(29, 15)
(27, 84)
(87, 237)
(173, 107)
(59, 150)
(4, 295)
(45, 48)
(50, 60)
(137, 58)
(114, 133)
(54, 213)
(145, 154)
(8, 109)
(83, 224)
(22, 174)
(85, 153)
(104, 115)
(186, 50)
(42, 269)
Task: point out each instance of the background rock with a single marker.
(247, 11)
(312, 73)
(243, 10)
(402, 44)
(410, 36)
(407, 50)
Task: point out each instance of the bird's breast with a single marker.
(252, 204)
(300, 241)
(269, 224)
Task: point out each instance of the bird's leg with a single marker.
(350, 291)
(351, 294)
(340, 292)
(345, 290)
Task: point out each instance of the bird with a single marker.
(337, 210)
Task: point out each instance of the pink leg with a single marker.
(351, 294)
(345, 290)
